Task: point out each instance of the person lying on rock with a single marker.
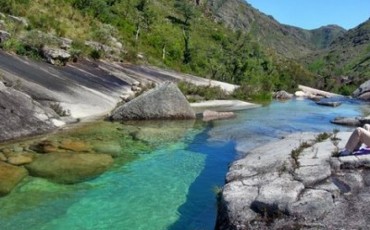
(358, 137)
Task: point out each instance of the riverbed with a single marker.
(166, 176)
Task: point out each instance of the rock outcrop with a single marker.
(163, 102)
(209, 115)
(363, 92)
(282, 95)
(55, 56)
(10, 176)
(308, 187)
(21, 115)
(4, 36)
(351, 121)
(69, 168)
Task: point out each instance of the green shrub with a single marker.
(207, 92)
(95, 54)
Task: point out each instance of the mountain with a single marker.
(325, 35)
(346, 59)
(288, 41)
(226, 40)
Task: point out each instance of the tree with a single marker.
(187, 11)
(145, 17)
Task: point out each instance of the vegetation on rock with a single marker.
(199, 37)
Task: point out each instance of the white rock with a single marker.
(300, 94)
(58, 123)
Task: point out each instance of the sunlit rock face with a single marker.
(164, 102)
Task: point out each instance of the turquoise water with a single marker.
(173, 187)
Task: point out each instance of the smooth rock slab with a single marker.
(10, 176)
(69, 168)
(313, 204)
(278, 194)
(209, 115)
(311, 175)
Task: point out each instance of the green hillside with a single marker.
(223, 40)
(346, 62)
(287, 41)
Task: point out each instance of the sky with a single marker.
(312, 14)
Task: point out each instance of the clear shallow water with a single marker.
(173, 186)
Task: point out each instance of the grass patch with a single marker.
(206, 92)
(295, 153)
(322, 137)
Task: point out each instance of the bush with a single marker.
(95, 54)
(207, 92)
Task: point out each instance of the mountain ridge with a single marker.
(288, 41)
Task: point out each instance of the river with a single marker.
(172, 185)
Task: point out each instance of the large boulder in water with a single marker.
(163, 102)
(69, 168)
(10, 176)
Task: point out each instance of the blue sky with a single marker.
(311, 14)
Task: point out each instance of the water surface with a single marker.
(170, 179)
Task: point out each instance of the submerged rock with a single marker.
(163, 102)
(329, 103)
(69, 168)
(209, 115)
(20, 159)
(10, 176)
(75, 146)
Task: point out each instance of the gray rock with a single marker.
(19, 20)
(10, 176)
(55, 56)
(346, 121)
(329, 103)
(312, 205)
(20, 159)
(69, 168)
(163, 102)
(353, 180)
(310, 175)
(21, 116)
(310, 195)
(66, 43)
(363, 92)
(277, 195)
(330, 187)
(235, 206)
(282, 95)
(209, 115)
(4, 36)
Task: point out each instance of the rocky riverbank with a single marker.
(297, 183)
